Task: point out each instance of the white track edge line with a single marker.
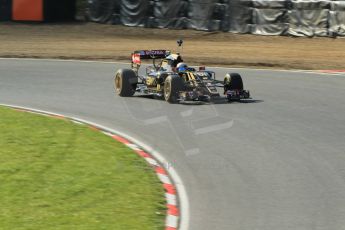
(214, 67)
(181, 191)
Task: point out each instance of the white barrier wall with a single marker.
(261, 17)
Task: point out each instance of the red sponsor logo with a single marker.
(136, 58)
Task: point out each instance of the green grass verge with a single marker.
(55, 174)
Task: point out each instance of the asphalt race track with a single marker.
(275, 162)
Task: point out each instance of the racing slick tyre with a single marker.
(125, 82)
(172, 86)
(233, 81)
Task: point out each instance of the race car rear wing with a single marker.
(139, 55)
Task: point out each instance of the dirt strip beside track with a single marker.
(92, 41)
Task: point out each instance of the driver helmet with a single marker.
(181, 67)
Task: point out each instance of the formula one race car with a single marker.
(173, 80)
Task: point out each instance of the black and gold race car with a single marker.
(170, 78)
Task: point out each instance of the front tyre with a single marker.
(125, 82)
(172, 87)
(233, 81)
(233, 86)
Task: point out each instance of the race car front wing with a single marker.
(233, 95)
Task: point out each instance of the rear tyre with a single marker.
(233, 81)
(125, 82)
(172, 87)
